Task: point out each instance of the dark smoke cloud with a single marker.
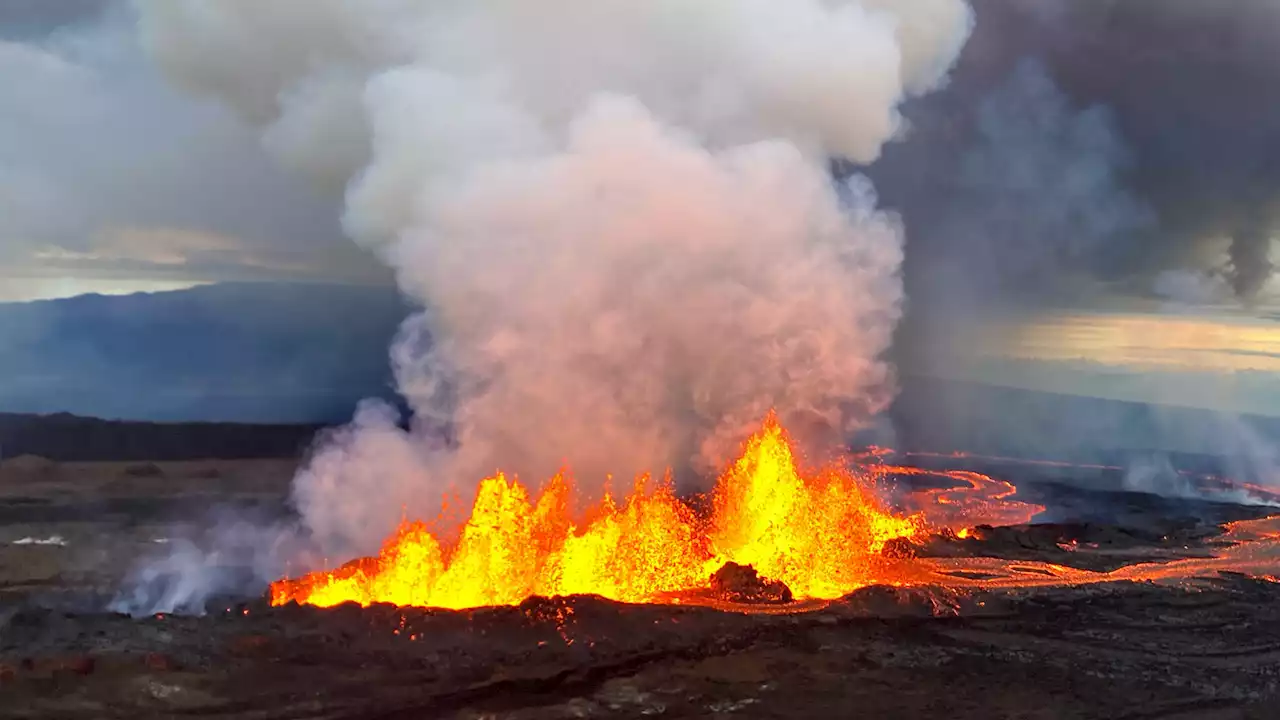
(28, 18)
(1086, 154)
(1034, 191)
(1250, 265)
(1197, 89)
(1156, 107)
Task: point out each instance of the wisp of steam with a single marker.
(616, 216)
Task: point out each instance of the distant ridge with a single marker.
(930, 415)
(244, 353)
(70, 438)
(935, 415)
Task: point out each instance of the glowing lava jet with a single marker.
(819, 532)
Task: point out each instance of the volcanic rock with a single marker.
(29, 465)
(144, 470)
(249, 645)
(73, 664)
(742, 584)
(160, 662)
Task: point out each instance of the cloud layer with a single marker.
(110, 173)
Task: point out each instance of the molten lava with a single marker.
(770, 530)
(821, 533)
(1250, 547)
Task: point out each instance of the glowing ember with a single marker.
(820, 533)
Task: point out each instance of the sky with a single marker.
(1219, 359)
(113, 181)
(26, 289)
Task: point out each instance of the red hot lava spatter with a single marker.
(821, 531)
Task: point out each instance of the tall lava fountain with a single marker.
(616, 214)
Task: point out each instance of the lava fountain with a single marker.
(821, 532)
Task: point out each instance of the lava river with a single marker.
(823, 532)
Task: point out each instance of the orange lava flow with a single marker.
(1207, 482)
(1251, 548)
(819, 532)
(981, 500)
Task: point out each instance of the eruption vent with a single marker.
(821, 533)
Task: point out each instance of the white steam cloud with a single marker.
(617, 214)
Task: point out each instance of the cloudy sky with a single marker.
(1219, 359)
(111, 181)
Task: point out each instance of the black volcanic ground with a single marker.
(1207, 651)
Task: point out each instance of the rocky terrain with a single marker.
(1204, 649)
(71, 531)
(1116, 651)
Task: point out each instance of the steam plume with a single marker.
(616, 214)
(1250, 265)
(1193, 90)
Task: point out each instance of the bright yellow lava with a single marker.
(821, 533)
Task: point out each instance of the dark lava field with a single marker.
(1206, 648)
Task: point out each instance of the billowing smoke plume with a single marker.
(1249, 257)
(1038, 194)
(1085, 155)
(616, 214)
(1016, 198)
(1194, 91)
(233, 554)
